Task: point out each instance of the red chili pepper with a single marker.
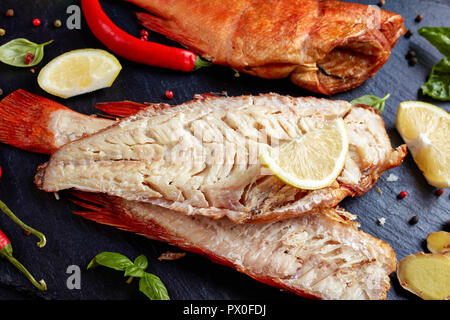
(132, 48)
(439, 192)
(36, 22)
(6, 250)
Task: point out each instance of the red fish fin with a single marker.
(109, 210)
(165, 28)
(123, 109)
(24, 119)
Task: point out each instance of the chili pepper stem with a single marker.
(10, 214)
(201, 63)
(41, 285)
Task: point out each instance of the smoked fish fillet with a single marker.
(324, 46)
(321, 255)
(203, 157)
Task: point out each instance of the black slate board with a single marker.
(73, 240)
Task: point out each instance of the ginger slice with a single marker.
(426, 275)
(438, 242)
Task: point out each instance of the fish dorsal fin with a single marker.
(123, 109)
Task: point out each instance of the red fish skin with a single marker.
(282, 38)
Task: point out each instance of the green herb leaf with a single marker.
(373, 101)
(438, 84)
(141, 262)
(111, 260)
(15, 52)
(153, 287)
(134, 271)
(438, 37)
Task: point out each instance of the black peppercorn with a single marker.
(414, 220)
(412, 62)
(408, 34)
(410, 54)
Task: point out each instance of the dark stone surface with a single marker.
(74, 240)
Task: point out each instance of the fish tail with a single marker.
(24, 119)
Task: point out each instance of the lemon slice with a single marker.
(425, 129)
(79, 71)
(314, 160)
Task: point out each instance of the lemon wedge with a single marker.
(314, 160)
(79, 71)
(425, 129)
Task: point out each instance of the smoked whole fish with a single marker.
(325, 46)
(321, 255)
(203, 157)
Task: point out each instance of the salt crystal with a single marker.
(392, 178)
(381, 221)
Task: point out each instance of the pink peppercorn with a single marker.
(402, 195)
(169, 94)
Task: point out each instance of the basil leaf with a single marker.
(153, 287)
(438, 84)
(15, 52)
(141, 262)
(438, 37)
(373, 101)
(134, 271)
(111, 260)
